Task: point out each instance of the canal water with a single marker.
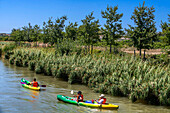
(15, 98)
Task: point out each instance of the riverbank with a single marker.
(111, 74)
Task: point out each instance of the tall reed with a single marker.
(115, 75)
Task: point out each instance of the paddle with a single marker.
(30, 84)
(72, 92)
(42, 85)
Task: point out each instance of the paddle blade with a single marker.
(72, 92)
(42, 85)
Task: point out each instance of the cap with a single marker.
(102, 95)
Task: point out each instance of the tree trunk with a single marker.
(106, 48)
(85, 50)
(140, 53)
(36, 44)
(88, 48)
(114, 51)
(92, 49)
(110, 48)
(144, 55)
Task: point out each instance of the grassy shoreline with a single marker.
(114, 74)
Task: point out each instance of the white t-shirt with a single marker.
(101, 101)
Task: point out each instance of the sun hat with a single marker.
(102, 95)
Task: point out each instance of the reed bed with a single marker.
(115, 75)
(0, 51)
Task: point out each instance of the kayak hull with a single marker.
(92, 105)
(25, 82)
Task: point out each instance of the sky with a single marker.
(18, 13)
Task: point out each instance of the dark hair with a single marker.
(79, 92)
(34, 79)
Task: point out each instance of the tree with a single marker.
(36, 33)
(45, 36)
(29, 32)
(113, 27)
(17, 35)
(71, 31)
(143, 33)
(90, 30)
(165, 39)
(59, 28)
(164, 25)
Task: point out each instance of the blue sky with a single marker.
(18, 13)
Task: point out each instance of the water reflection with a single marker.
(31, 93)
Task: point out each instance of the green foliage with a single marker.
(113, 27)
(8, 47)
(71, 31)
(5, 38)
(90, 30)
(31, 65)
(17, 35)
(0, 51)
(53, 31)
(164, 36)
(18, 61)
(68, 47)
(144, 32)
(112, 74)
(125, 43)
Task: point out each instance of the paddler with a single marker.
(79, 97)
(102, 100)
(34, 83)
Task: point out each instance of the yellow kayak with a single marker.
(25, 82)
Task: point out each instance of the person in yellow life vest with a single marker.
(34, 83)
(102, 100)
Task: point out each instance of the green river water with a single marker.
(15, 98)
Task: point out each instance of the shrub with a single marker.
(8, 47)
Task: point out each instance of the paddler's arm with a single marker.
(100, 102)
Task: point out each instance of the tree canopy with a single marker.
(143, 33)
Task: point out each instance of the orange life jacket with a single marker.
(78, 97)
(35, 84)
(103, 101)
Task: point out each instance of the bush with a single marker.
(31, 64)
(68, 47)
(18, 61)
(9, 47)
